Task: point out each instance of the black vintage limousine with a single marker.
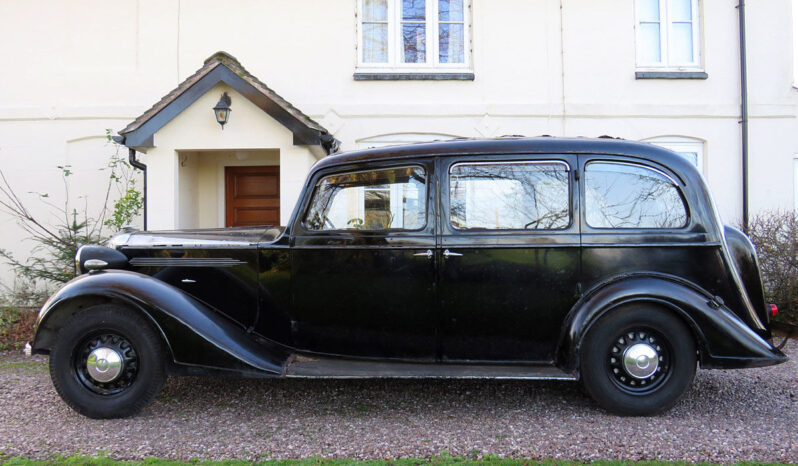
(597, 260)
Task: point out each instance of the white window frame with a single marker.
(401, 138)
(395, 45)
(682, 144)
(664, 39)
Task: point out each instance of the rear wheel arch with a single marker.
(698, 336)
(610, 297)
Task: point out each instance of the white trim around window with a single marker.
(690, 148)
(795, 181)
(668, 35)
(387, 53)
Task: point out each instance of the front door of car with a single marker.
(362, 266)
(509, 256)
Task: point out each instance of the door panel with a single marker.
(505, 292)
(362, 281)
(252, 196)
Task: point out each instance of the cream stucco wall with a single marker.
(558, 67)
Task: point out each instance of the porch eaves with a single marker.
(223, 67)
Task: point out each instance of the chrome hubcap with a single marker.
(640, 360)
(104, 364)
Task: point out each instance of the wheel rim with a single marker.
(639, 360)
(105, 363)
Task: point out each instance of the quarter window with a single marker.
(509, 196)
(619, 195)
(391, 199)
(667, 34)
(413, 35)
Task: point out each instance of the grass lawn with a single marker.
(436, 460)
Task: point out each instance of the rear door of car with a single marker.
(509, 255)
(363, 265)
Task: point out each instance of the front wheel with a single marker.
(638, 360)
(107, 362)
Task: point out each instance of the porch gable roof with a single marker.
(223, 67)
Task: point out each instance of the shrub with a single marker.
(775, 235)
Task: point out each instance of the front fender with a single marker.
(195, 334)
(723, 340)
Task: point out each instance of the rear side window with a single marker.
(509, 196)
(621, 195)
(391, 199)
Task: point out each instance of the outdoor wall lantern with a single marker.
(222, 109)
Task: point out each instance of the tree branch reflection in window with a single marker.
(631, 196)
(391, 199)
(509, 196)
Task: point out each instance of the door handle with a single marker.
(447, 254)
(428, 254)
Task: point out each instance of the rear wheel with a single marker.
(107, 362)
(638, 360)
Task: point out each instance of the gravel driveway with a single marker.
(727, 416)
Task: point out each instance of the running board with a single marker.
(303, 367)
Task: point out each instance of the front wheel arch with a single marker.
(48, 325)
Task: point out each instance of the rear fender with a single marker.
(195, 334)
(723, 340)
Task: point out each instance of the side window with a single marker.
(391, 199)
(667, 34)
(620, 195)
(414, 35)
(509, 196)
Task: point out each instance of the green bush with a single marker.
(775, 235)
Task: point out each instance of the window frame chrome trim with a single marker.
(571, 192)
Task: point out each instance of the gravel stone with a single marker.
(728, 416)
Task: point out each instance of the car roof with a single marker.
(516, 145)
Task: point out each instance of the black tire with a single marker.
(132, 337)
(612, 383)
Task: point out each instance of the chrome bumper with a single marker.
(28, 350)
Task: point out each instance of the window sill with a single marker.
(671, 75)
(394, 76)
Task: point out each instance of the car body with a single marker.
(542, 258)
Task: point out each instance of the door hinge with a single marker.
(576, 174)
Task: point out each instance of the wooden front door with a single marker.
(252, 196)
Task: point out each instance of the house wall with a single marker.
(558, 67)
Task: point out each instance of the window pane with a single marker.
(509, 196)
(682, 43)
(648, 10)
(392, 199)
(649, 43)
(451, 43)
(691, 156)
(414, 10)
(627, 196)
(375, 10)
(450, 10)
(414, 41)
(681, 10)
(375, 43)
